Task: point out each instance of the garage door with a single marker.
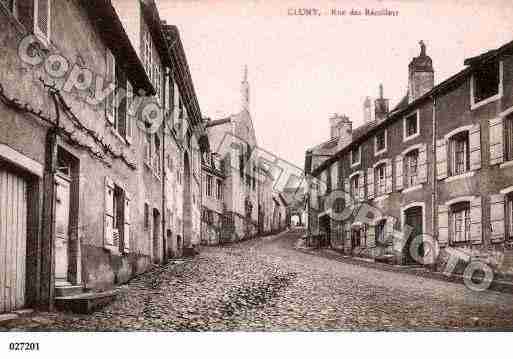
(13, 237)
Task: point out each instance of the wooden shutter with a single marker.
(129, 118)
(361, 185)
(389, 178)
(475, 221)
(126, 224)
(42, 18)
(371, 236)
(422, 165)
(109, 213)
(475, 147)
(110, 75)
(399, 176)
(443, 225)
(497, 217)
(496, 141)
(370, 183)
(441, 159)
(334, 176)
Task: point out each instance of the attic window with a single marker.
(486, 84)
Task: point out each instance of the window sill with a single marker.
(409, 138)
(461, 176)
(506, 164)
(476, 105)
(413, 188)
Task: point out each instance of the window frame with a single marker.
(385, 148)
(208, 186)
(473, 104)
(453, 142)
(407, 166)
(407, 137)
(352, 188)
(458, 208)
(380, 183)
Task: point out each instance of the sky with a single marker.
(302, 69)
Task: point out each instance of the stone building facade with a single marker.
(84, 188)
(435, 168)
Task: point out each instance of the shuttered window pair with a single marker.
(501, 217)
(459, 154)
(119, 102)
(116, 217)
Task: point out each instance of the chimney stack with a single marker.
(368, 112)
(381, 105)
(342, 128)
(421, 76)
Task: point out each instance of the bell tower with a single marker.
(245, 89)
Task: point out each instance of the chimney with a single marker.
(381, 105)
(342, 128)
(368, 113)
(421, 76)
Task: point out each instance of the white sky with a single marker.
(303, 69)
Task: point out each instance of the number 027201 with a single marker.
(23, 346)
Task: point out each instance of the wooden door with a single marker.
(62, 206)
(13, 240)
(413, 218)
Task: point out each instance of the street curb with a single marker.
(497, 285)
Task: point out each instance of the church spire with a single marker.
(245, 89)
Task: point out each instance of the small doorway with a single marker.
(157, 252)
(62, 211)
(413, 218)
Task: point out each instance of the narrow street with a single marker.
(266, 284)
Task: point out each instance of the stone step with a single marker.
(65, 291)
(85, 303)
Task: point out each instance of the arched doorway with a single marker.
(187, 202)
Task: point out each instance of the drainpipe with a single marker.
(434, 198)
(47, 292)
(164, 176)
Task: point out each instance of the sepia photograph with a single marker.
(233, 176)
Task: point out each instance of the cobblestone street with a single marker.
(266, 284)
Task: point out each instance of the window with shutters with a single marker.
(486, 84)
(411, 126)
(380, 142)
(460, 154)
(117, 217)
(460, 222)
(356, 154)
(42, 20)
(380, 179)
(411, 168)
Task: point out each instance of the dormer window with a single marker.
(486, 84)
(380, 142)
(355, 156)
(411, 126)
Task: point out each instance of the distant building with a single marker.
(436, 166)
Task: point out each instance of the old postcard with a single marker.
(254, 166)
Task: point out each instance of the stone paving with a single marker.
(268, 285)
